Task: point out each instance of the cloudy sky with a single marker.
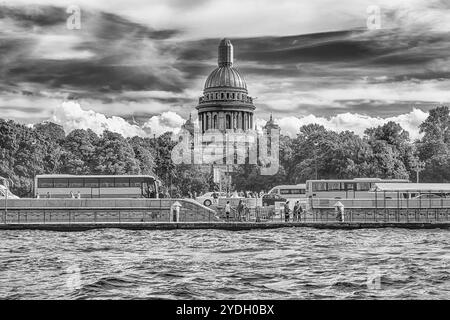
(147, 60)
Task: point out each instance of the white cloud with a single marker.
(71, 116)
(352, 122)
(167, 121)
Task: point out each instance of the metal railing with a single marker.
(103, 211)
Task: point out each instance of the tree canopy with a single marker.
(385, 151)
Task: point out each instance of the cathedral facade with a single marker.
(226, 134)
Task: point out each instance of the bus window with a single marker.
(319, 186)
(61, 183)
(106, 182)
(334, 186)
(122, 182)
(45, 183)
(91, 183)
(135, 182)
(76, 183)
(274, 191)
(349, 186)
(363, 186)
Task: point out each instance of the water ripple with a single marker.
(216, 264)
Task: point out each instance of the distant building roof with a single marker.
(412, 187)
(189, 125)
(271, 124)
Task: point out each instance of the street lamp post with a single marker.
(315, 144)
(417, 166)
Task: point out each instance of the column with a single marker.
(204, 121)
(221, 121)
(240, 120)
(209, 120)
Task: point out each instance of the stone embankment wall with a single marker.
(382, 215)
(102, 210)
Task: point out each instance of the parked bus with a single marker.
(346, 189)
(290, 193)
(415, 191)
(96, 186)
(297, 191)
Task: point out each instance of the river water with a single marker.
(291, 263)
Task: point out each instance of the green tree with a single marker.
(434, 147)
(79, 149)
(145, 154)
(114, 155)
(24, 153)
(51, 130)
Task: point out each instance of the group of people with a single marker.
(192, 195)
(248, 194)
(242, 210)
(296, 214)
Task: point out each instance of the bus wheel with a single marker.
(207, 203)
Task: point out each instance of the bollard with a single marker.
(174, 212)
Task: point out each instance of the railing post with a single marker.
(376, 202)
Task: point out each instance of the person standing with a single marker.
(300, 211)
(78, 195)
(240, 209)
(286, 211)
(296, 210)
(228, 210)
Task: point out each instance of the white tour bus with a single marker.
(359, 188)
(96, 186)
(297, 191)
